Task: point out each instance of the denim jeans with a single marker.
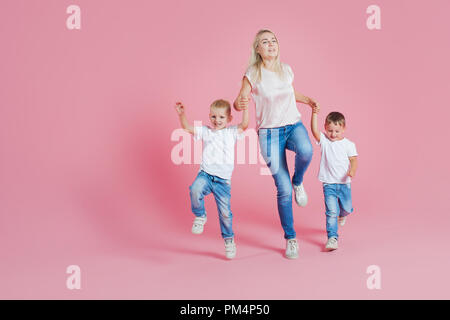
(273, 143)
(205, 184)
(338, 203)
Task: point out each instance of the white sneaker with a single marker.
(341, 220)
(300, 195)
(230, 248)
(291, 249)
(332, 244)
(197, 226)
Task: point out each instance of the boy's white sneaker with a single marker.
(341, 220)
(300, 195)
(332, 244)
(292, 249)
(197, 226)
(230, 248)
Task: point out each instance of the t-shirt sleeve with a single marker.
(322, 139)
(351, 150)
(290, 73)
(198, 133)
(250, 74)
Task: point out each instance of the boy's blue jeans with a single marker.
(205, 184)
(338, 203)
(273, 143)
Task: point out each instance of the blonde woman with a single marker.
(279, 126)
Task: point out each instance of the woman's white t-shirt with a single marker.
(274, 98)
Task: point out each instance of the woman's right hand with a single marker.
(241, 103)
(243, 98)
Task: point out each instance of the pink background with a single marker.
(86, 175)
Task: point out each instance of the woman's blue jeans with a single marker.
(273, 144)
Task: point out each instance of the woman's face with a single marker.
(267, 46)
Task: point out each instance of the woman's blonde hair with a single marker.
(255, 62)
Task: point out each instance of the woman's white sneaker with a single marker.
(230, 248)
(300, 195)
(292, 249)
(197, 226)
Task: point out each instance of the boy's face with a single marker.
(219, 118)
(334, 131)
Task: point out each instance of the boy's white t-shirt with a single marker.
(274, 98)
(218, 150)
(334, 164)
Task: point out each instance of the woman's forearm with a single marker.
(302, 98)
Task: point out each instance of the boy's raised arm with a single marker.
(244, 123)
(179, 107)
(315, 131)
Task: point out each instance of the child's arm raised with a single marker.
(179, 107)
(353, 166)
(315, 131)
(244, 123)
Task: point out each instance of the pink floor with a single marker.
(129, 249)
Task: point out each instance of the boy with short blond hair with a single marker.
(216, 168)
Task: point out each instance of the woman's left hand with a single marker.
(312, 103)
(315, 108)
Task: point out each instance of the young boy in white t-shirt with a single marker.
(216, 167)
(337, 167)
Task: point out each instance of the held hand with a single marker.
(179, 107)
(311, 102)
(351, 173)
(242, 103)
(315, 108)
